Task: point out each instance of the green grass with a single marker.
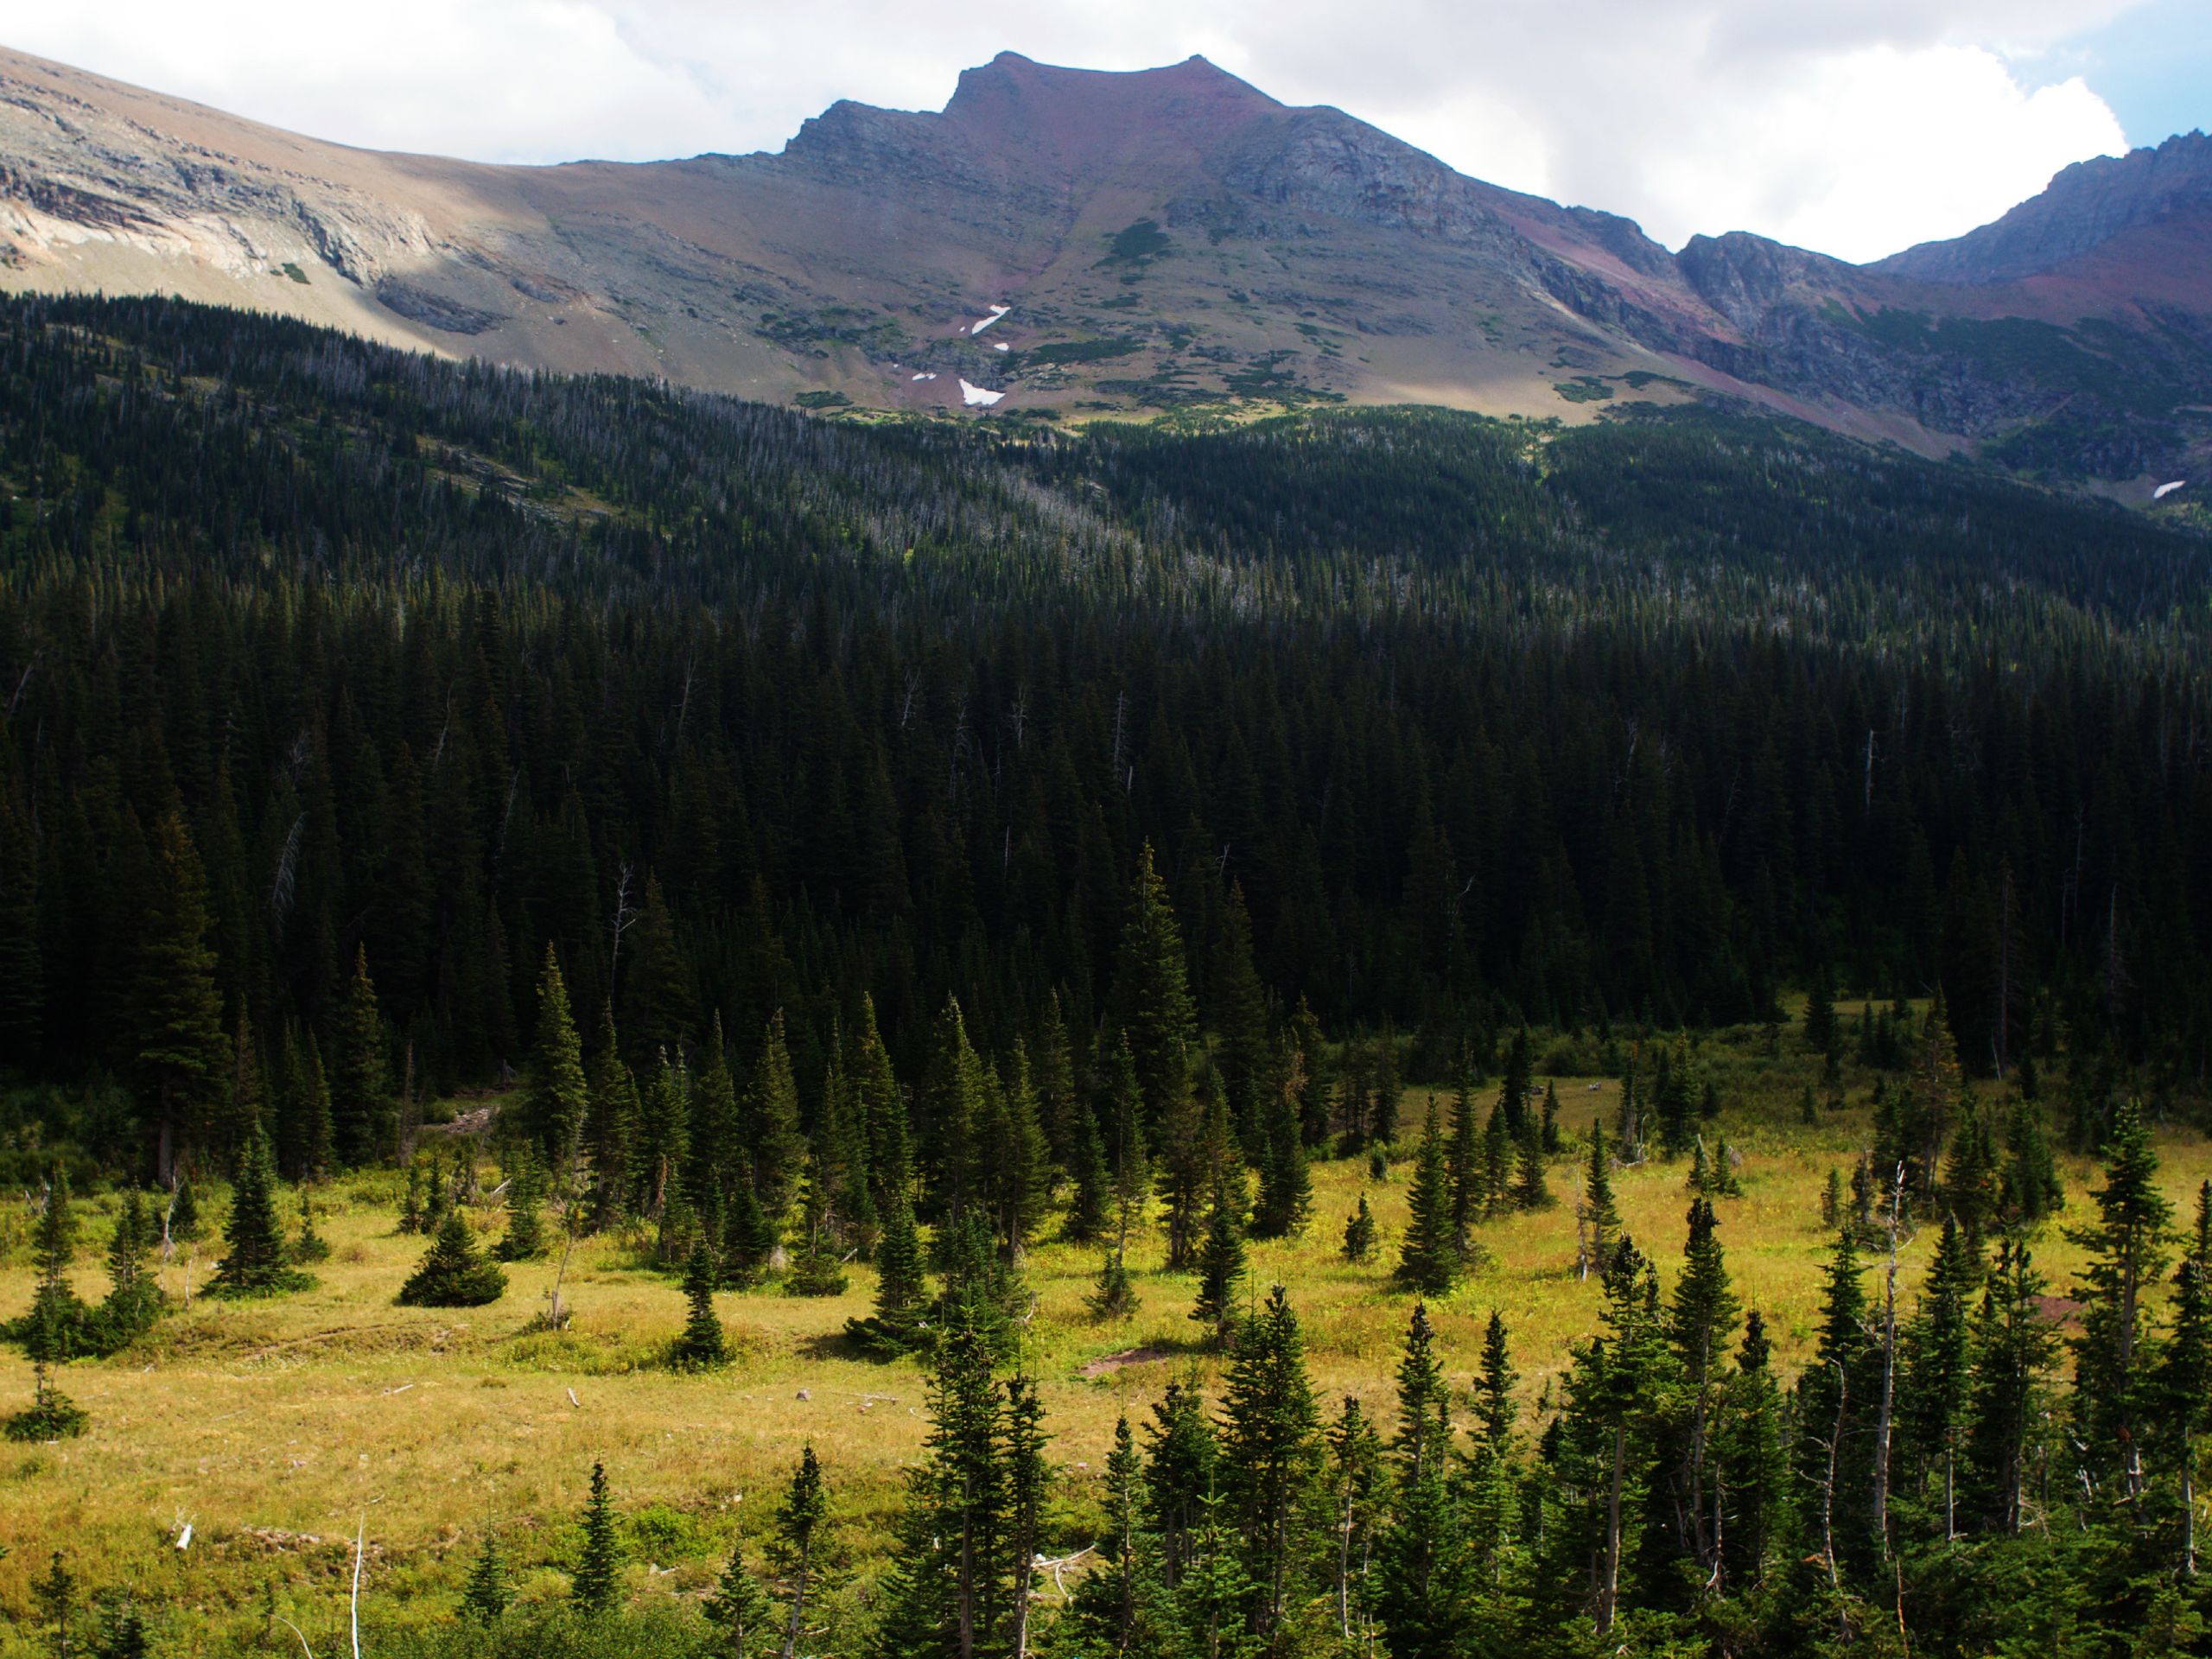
(274, 1426)
(1584, 389)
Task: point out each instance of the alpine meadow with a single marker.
(1253, 1020)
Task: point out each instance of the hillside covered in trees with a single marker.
(880, 846)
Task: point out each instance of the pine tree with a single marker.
(770, 1113)
(525, 1236)
(1530, 1190)
(1423, 1597)
(1286, 1184)
(54, 1592)
(452, 1274)
(660, 1013)
(1237, 1008)
(1221, 1265)
(1464, 1162)
(487, 1598)
(896, 1326)
(1497, 1162)
(595, 1585)
(125, 1636)
(1937, 1357)
(57, 1320)
(2015, 1348)
(317, 1129)
(2184, 1382)
(800, 1521)
(310, 1246)
(1270, 1453)
(740, 1608)
(1357, 1505)
(610, 1126)
(703, 1345)
(1182, 1470)
(2032, 1189)
(1600, 1217)
(1106, 1605)
(2126, 1246)
(23, 976)
(1090, 1196)
(557, 1096)
(1749, 1444)
(1700, 1324)
(1152, 995)
(1359, 1234)
(951, 1583)
(360, 1104)
(749, 1238)
(177, 1055)
(254, 1261)
(949, 1101)
(1427, 1260)
(133, 1300)
(816, 1268)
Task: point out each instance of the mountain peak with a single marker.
(2085, 206)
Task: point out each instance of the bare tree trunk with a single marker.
(1610, 1590)
(1884, 1417)
(798, 1603)
(1828, 1485)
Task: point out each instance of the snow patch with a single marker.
(925, 377)
(1001, 346)
(997, 311)
(978, 397)
(2165, 490)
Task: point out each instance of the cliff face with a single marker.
(1073, 241)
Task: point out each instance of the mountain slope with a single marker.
(1065, 241)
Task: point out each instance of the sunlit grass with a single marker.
(268, 1425)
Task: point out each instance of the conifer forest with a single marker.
(634, 1023)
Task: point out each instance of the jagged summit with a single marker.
(2085, 207)
(1060, 241)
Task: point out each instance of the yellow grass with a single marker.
(269, 1425)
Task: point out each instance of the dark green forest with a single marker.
(845, 828)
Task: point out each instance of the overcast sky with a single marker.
(1853, 126)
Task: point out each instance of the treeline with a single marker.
(324, 662)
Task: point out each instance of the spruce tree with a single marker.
(1466, 1165)
(254, 1261)
(1090, 1194)
(487, 1598)
(1530, 1190)
(360, 1102)
(22, 976)
(801, 1519)
(2015, 1348)
(1359, 1234)
(2184, 1381)
(595, 1585)
(524, 1240)
(1358, 1508)
(817, 1269)
(701, 1345)
(2127, 1244)
(178, 1057)
(1428, 1261)
(1286, 1184)
(2031, 1189)
(1221, 1266)
(1600, 1216)
(54, 1594)
(452, 1274)
(1749, 1444)
(133, 1300)
(769, 1112)
(1270, 1455)
(1937, 1355)
(1497, 1162)
(317, 1130)
(1151, 1000)
(557, 1096)
(896, 1326)
(1422, 1593)
(740, 1609)
(58, 1318)
(1701, 1326)
(610, 1126)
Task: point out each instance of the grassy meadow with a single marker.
(273, 1428)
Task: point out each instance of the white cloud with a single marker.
(1855, 126)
